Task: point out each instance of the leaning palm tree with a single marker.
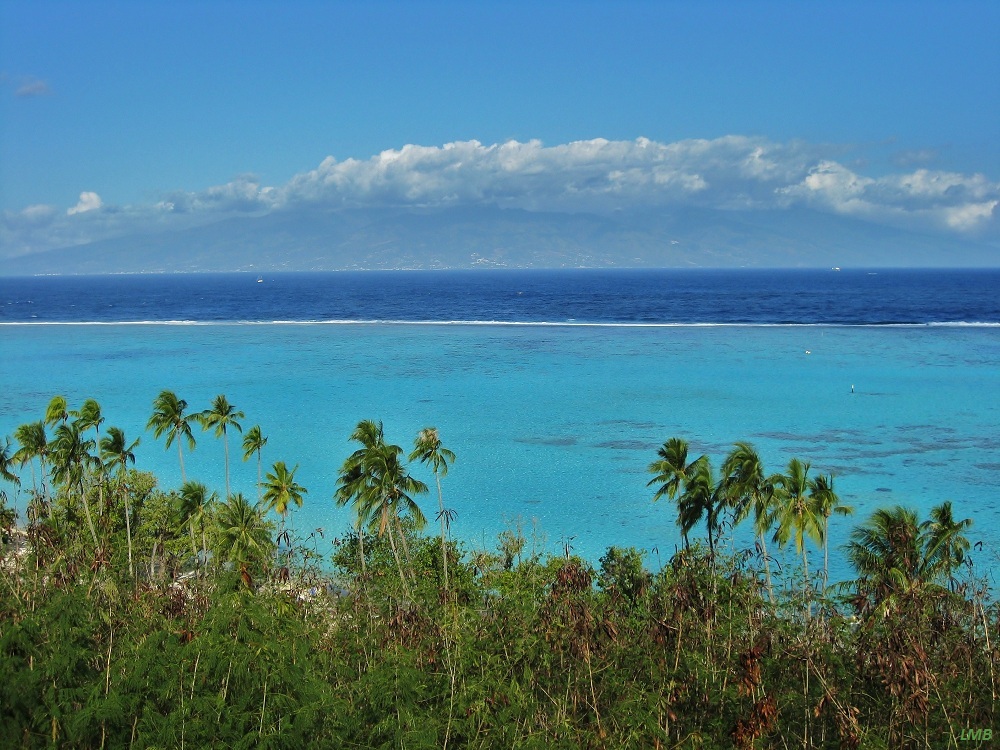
(7, 461)
(701, 498)
(33, 443)
(427, 448)
(672, 470)
(353, 480)
(828, 503)
(70, 459)
(946, 545)
(281, 491)
(118, 453)
(242, 536)
(892, 557)
(221, 417)
(169, 418)
(388, 495)
(196, 501)
(89, 416)
(56, 412)
(751, 491)
(254, 442)
(798, 514)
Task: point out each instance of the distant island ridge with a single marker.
(490, 237)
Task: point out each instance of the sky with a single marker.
(133, 116)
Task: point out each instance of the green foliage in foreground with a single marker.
(134, 617)
(545, 652)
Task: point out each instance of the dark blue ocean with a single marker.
(850, 297)
(554, 388)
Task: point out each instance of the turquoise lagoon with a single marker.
(554, 425)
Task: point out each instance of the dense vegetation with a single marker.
(136, 616)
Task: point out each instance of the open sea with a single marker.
(554, 388)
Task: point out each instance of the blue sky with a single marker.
(114, 108)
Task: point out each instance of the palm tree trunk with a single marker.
(225, 443)
(194, 544)
(406, 548)
(444, 548)
(826, 555)
(86, 508)
(260, 489)
(361, 548)
(180, 455)
(399, 564)
(128, 534)
(767, 568)
(805, 590)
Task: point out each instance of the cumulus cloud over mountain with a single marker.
(599, 177)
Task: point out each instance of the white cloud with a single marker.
(88, 202)
(735, 172)
(922, 199)
(594, 175)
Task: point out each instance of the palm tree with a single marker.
(71, 457)
(828, 503)
(243, 536)
(169, 418)
(389, 494)
(254, 442)
(690, 484)
(222, 416)
(749, 491)
(946, 544)
(891, 554)
(7, 459)
(352, 482)
(118, 453)
(33, 443)
(798, 513)
(427, 449)
(56, 411)
(376, 482)
(196, 501)
(89, 416)
(281, 490)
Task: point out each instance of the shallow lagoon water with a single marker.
(555, 423)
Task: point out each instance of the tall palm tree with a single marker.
(7, 460)
(798, 514)
(946, 544)
(352, 482)
(118, 453)
(196, 501)
(893, 556)
(690, 484)
(376, 482)
(254, 442)
(828, 503)
(243, 536)
(751, 491)
(169, 418)
(221, 416)
(427, 448)
(33, 443)
(89, 416)
(56, 411)
(281, 491)
(70, 459)
(388, 495)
